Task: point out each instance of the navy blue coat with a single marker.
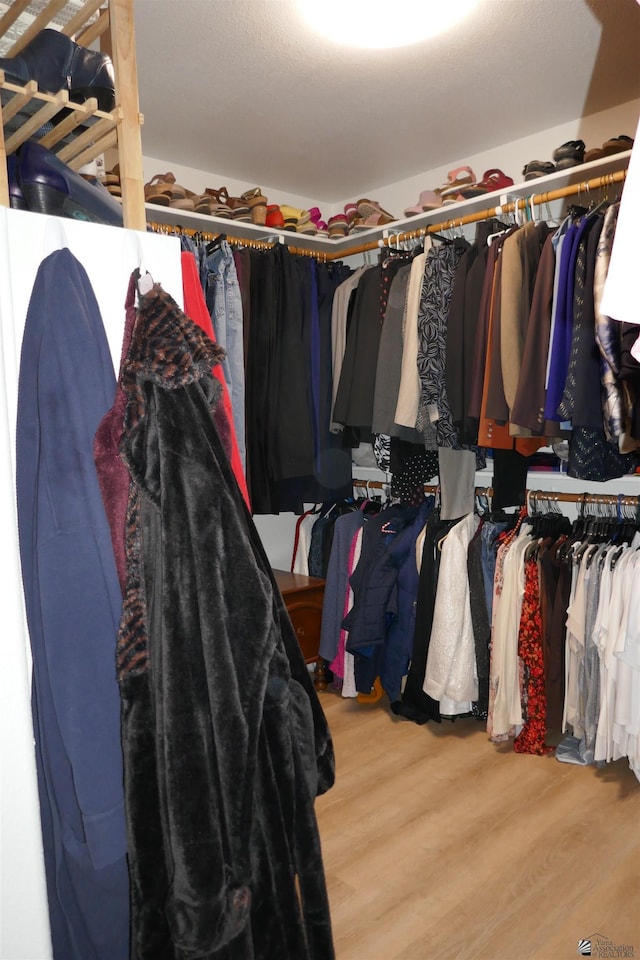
(73, 603)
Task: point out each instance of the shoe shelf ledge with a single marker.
(449, 214)
(238, 229)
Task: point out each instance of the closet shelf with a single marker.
(368, 239)
(238, 229)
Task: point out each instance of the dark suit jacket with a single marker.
(528, 407)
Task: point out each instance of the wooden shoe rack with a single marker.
(83, 131)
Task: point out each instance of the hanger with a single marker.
(215, 243)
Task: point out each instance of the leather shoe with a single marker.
(49, 186)
(57, 63)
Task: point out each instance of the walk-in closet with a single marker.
(320, 350)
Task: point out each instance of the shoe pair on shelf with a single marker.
(573, 153)
(364, 214)
(461, 185)
(39, 181)
(286, 217)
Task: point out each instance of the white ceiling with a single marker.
(244, 89)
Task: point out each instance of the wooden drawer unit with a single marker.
(303, 597)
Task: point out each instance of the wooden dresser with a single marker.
(303, 597)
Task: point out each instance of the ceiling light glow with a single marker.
(380, 24)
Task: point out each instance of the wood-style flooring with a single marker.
(439, 845)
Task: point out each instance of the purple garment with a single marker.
(563, 330)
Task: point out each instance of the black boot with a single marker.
(57, 63)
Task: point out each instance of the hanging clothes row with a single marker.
(491, 615)
(271, 313)
(499, 344)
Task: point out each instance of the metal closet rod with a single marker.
(520, 203)
(554, 496)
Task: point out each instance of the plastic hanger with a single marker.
(215, 243)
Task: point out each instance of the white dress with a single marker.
(451, 675)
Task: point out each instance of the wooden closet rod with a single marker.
(551, 496)
(232, 241)
(520, 203)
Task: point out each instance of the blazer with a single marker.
(528, 404)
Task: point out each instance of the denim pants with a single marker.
(490, 532)
(225, 306)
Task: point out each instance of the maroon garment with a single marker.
(113, 476)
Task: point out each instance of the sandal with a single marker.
(569, 154)
(351, 211)
(274, 217)
(617, 145)
(163, 189)
(111, 181)
(492, 180)
(367, 208)
(368, 223)
(158, 189)
(428, 200)
(236, 205)
(254, 197)
(538, 168)
(451, 190)
(338, 226)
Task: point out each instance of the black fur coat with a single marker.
(225, 742)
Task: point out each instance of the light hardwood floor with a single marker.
(439, 845)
